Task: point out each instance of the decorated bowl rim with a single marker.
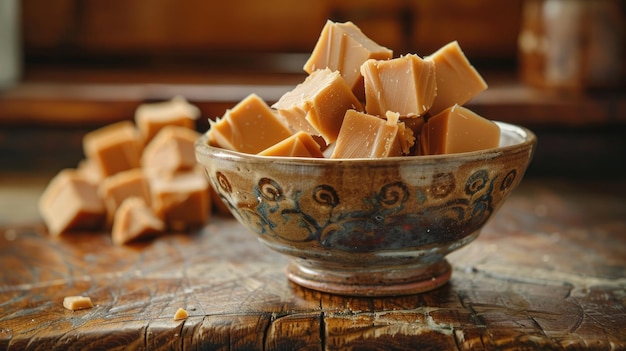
(524, 138)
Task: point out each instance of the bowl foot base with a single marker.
(392, 282)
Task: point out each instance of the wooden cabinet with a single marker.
(89, 29)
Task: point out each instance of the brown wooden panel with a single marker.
(486, 29)
(167, 26)
(47, 24)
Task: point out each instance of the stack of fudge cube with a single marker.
(359, 101)
(138, 179)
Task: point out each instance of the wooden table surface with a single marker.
(548, 272)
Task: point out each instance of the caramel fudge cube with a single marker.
(135, 220)
(90, 169)
(75, 303)
(343, 47)
(114, 148)
(249, 127)
(458, 129)
(70, 203)
(415, 125)
(300, 144)
(367, 136)
(150, 118)
(181, 199)
(406, 132)
(405, 85)
(171, 150)
(115, 189)
(457, 80)
(317, 105)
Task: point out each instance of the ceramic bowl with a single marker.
(369, 227)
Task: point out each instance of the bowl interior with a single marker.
(511, 136)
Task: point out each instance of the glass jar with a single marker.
(572, 44)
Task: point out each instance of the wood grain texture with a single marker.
(548, 272)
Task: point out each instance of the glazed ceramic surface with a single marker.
(369, 226)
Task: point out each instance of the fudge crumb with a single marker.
(181, 314)
(74, 303)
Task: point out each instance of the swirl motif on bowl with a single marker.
(383, 223)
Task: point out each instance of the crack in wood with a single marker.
(266, 332)
(579, 320)
(323, 330)
(146, 337)
(474, 316)
(180, 334)
(540, 276)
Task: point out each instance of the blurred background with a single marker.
(70, 66)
